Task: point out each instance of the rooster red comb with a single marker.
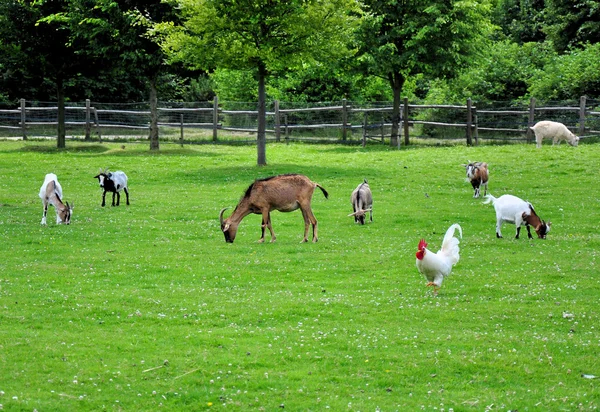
(422, 244)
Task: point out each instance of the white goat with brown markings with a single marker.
(478, 175)
(511, 209)
(285, 193)
(51, 193)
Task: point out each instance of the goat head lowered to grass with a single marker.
(51, 193)
(362, 202)
(113, 182)
(284, 193)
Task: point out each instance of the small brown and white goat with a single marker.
(51, 193)
(511, 209)
(285, 193)
(478, 175)
(554, 130)
(362, 202)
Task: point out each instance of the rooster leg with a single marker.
(430, 284)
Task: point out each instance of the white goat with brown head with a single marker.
(511, 209)
(478, 175)
(51, 193)
(362, 202)
(285, 193)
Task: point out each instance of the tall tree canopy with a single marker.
(265, 36)
(37, 56)
(399, 39)
(572, 23)
(119, 40)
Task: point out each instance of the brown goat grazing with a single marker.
(477, 174)
(285, 193)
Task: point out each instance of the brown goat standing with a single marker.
(285, 193)
(478, 175)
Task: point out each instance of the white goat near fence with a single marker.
(51, 193)
(555, 130)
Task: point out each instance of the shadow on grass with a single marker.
(124, 150)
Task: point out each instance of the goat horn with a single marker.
(221, 215)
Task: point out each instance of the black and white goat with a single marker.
(114, 182)
(362, 202)
(511, 209)
(478, 174)
(51, 193)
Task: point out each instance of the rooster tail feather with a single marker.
(489, 199)
(450, 243)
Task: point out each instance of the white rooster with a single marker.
(436, 266)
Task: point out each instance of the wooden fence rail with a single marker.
(375, 122)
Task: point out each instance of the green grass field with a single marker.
(146, 308)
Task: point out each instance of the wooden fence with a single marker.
(373, 122)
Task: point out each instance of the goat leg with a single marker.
(529, 232)
(104, 198)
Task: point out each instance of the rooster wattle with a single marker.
(436, 266)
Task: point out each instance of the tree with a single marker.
(521, 21)
(435, 38)
(36, 55)
(572, 23)
(118, 35)
(264, 36)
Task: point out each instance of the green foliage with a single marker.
(147, 308)
(576, 73)
(504, 73)
(572, 23)
(520, 21)
(235, 85)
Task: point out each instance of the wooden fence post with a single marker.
(582, 101)
(531, 119)
(88, 125)
(181, 127)
(277, 122)
(364, 136)
(23, 126)
(344, 119)
(469, 122)
(287, 133)
(405, 121)
(476, 129)
(215, 117)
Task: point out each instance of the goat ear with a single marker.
(226, 227)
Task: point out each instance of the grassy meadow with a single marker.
(146, 308)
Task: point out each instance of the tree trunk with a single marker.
(261, 138)
(61, 130)
(153, 116)
(396, 82)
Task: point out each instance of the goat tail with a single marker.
(489, 199)
(323, 190)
